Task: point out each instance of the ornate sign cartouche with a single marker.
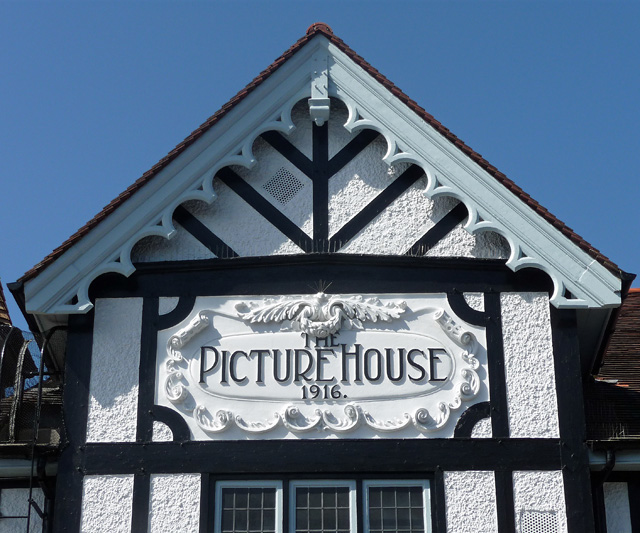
(321, 365)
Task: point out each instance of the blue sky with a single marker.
(92, 94)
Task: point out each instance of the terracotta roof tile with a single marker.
(320, 29)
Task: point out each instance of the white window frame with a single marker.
(324, 483)
(426, 497)
(241, 484)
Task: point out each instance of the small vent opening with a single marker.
(538, 522)
(283, 186)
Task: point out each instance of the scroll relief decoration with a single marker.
(322, 315)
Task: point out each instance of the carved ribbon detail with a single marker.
(196, 325)
(453, 330)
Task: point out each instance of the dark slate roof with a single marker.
(4, 311)
(612, 397)
(323, 29)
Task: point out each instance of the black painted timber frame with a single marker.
(350, 458)
(319, 170)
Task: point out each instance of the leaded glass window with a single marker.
(396, 510)
(248, 508)
(323, 507)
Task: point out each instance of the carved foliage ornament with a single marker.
(321, 315)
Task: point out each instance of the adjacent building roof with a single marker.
(4, 311)
(622, 359)
(313, 30)
(613, 396)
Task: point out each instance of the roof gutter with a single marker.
(21, 468)
(17, 290)
(623, 461)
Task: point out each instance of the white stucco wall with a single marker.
(529, 365)
(616, 503)
(400, 225)
(107, 504)
(15, 502)
(161, 432)
(475, 300)
(167, 304)
(460, 243)
(360, 181)
(302, 136)
(338, 135)
(240, 226)
(482, 429)
(115, 362)
(299, 209)
(539, 493)
(471, 502)
(183, 246)
(174, 503)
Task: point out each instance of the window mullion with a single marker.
(360, 507)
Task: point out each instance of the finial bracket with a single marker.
(319, 103)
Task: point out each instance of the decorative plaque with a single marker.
(321, 366)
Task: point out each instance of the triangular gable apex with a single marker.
(321, 68)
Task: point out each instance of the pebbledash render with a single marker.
(324, 313)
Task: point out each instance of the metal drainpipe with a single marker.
(608, 466)
(602, 478)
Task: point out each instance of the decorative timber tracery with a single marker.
(320, 169)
